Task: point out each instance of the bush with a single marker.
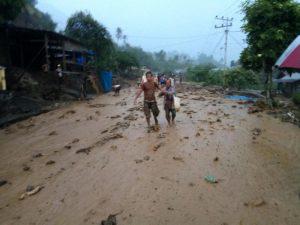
(296, 98)
(241, 79)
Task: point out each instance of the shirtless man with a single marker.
(150, 103)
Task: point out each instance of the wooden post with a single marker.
(22, 54)
(46, 42)
(9, 63)
(64, 56)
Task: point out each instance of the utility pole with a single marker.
(228, 23)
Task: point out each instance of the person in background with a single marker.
(59, 74)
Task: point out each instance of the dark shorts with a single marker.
(169, 110)
(150, 106)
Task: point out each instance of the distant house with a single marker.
(288, 84)
(41, 50)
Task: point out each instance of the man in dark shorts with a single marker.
(150, 103)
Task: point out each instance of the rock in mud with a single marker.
(52, 133)
(178, 159)
(68, 147)
(84, 150)
(50, 162)
(156, 147)
(97, 105)
(26, 168)
(29, 188)
(3, 182)
(130, 117)
(258, 202)
(75, 140)
(38, 155)
(115, 117)
(137, 161)
(111, 220)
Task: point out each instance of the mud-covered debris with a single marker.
(156, 147)
(253, 110)
(3, 182)
(50, 162)
(119, 125)
(84, 150)
(219, 120)
(109, 137)
(75, 140)
(38, 155)
(256, 131)
(198, 134)
(71, 112)
(171, 208)
(90, 118)
(162, 135)
(121, 103)
(26, 168)
(97, 105)
(191, 184)
(29, 188)
(97, 113)
(114, 147)
(178, 159)
(104, 131)
(211, 179)
(34, 191)
(137, 161)
(115, 117)
(216, 159)
(68, 147)
(186, 137)
(137, 108)
(53, 133)
(199, 98)
(130, 117)
(111, 220)
(147, 158)
(256, 203)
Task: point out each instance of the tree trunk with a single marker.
(268, 74)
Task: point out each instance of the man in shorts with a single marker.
(150, 103)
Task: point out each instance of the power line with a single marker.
(173, 37)
(219, 42)
(236, 41)
(229, 7)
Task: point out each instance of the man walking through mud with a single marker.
(150, 103)
(169, 106)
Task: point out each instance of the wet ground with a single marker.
(217, 165)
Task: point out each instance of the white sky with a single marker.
(185, 26)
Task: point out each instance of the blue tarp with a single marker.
(106, 80)
(239, 97)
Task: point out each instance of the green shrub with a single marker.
(296, 98)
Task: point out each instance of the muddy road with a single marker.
(84, 162)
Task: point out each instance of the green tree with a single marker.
(10, 9)
(84, 28)
(125, 60)
(119, 33)
(270, 25)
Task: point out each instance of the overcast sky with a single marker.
(185, 26)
